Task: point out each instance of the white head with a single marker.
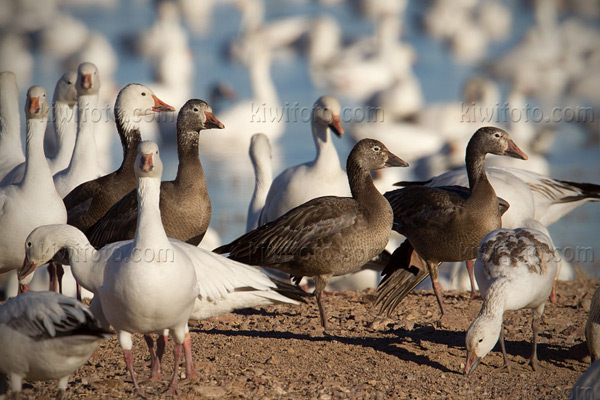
(148, 163)
(326, 112)
(40, 247)
(88, 79)
(482, 336)
(65, 91)
(134, 101)
(36, 104)
(260, 148)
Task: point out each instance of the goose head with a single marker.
(148, 163)
(326, 113)
(371, 154)
(36, 104)
(65, 90)
(40, 247)
(260, 148)
(482, 336)
(197, 115)
(88, 79)
(496, 141)
(134, 102)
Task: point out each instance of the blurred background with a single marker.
(421, 76)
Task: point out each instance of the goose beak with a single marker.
(34, 105)
(27, 268)
(146, 163)
(161, 106)
(336, 126)
(514, 151)
(86, 81)
(472, 363)
(212, 121)
(394, 161)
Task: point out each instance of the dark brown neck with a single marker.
(361, 185)
(481, 189)
(190, 168)
(130, 139)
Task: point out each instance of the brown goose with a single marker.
(326, 236)
(88, 202)
(184, 203)
(445, 223)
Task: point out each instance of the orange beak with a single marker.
(514, 151)
(161, 106)
(212, 121)
(336, 126)
(34, 105)
(86, 81)
(147, 164)
(27, 268)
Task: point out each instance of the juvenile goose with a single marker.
(445, 224)
(84, 159)
(321, 177)
(88, 202)
(592, 327)
(224, 285)
(11, 148)
(184, 203)
(64, 104)
(260, 155)
(45, 335)
(515, 269)
(329, 235)
(34, 201)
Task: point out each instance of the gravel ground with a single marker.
(280, 352)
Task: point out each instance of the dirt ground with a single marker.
(280, 352)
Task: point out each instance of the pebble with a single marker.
(210, 391)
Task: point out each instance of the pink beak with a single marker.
(147, 164)
(34, 106)
(161, 106)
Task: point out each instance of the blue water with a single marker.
(441, 79)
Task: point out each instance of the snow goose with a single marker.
(184, 203)
(329, 235)
(84, 160)
(34, 201)
(446, 224)
(592, 327)
(11, 148)
(65, 127)
(321, 177)
(260, 154)
(45, 335)
(224, 285)
(515, 269)
(89, 201)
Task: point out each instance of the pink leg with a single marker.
(177, 351)
(23, 287)
(161, 344)
(470, 268)
(190, 372)
(154, 361)
(129, 362)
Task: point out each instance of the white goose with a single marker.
(224, 285)
(45, 335)
(65, 126)
(84, 162)
(515, 269)
(34, 201)
(260, 155)
(11, 148)
(320, 177)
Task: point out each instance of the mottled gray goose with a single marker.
(45, 335)
(326, 236)
(442, 224)
(184, 203)
(88, 202)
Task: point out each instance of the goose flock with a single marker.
(139, 243)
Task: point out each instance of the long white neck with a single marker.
(85, 154)
(150, 233)
(387, 33)
(37, 172)
(263, 88)
(10, 121)
(65, 126)
(327, 156)
(494, 302)
(86, 264)
(263, 178)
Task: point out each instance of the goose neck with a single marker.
(149, 232)
(326, 152)
(475, 162)
(494, 302)
(65, 127)
(361, 185)
(37, 170)
(187, 153)
(10, 121)
(82, 255)
(263, 88)
(130, 136)
(85, 144)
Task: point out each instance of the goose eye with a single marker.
(480, 340)
(497, 135)
(28, 244)
(376, 149)
(156, 151)
(143, 93)
(70, 82)
(195, 109)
